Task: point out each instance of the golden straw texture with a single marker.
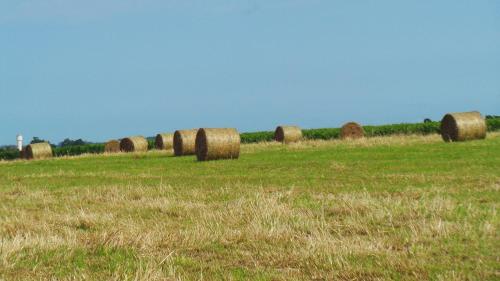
(184, 142)
(463, 126)
(352, 130)
(38, 151)
(213, 144)
(288, 134)
(134, 144)
(164, 141)
(112, 146)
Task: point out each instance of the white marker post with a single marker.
(19, 142)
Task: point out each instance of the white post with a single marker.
(19, 142)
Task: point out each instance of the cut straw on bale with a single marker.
(288, 134)
(38, 151)
(185, 142)
(463, 126)
(164, 141)
(214, 144)
(352, 130)
(134, 144)
(112, 146)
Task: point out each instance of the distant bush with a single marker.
(9, 153)
(256, 137)
(151, 143)
(78, 149)
(403, 129)
(493, 124)
(37, 140)
(321, 134)
(69, 142)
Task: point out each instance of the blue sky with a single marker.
(102, 69)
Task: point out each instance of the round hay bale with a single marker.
(213, 144)
(164, 141)
(463, 126)
(288, 134)
(134, 144)
(38, 151)
(352, 130)
(185, 142)
(112, 146)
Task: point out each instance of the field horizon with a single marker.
(395, 207)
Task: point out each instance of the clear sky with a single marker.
(101, 69)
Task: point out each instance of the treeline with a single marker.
(77, 147)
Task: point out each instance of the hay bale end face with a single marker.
(38, 151)
(112, 146)
(164, 141)
(214, 144)
(288, 134)
(134, 144)
(463, 126)
(185, 142)
(352, 130)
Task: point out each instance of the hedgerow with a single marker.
(94, 148)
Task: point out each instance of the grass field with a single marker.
(384, 208)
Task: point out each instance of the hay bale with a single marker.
(134, 144)
(352, 130)
(164, 141)
(112, 146)
(288, 134)
(38, 151)
(463, 126)
(213, 144)
(185, 142)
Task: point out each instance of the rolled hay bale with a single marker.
(112, 146)
(214, 144)
(164, 141)
(288, 134)
(38, 151)
(463, 126)
(185, 142)
(134, 144)
(352, 130)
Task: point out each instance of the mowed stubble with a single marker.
(397, 207)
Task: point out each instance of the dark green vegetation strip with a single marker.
(254, 137)
(371, 131)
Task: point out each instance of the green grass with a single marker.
(393, 208)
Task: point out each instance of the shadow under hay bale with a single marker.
(38, 151)
(352, 130)
(214, 144)
(112, 146)
(288, 134)
(185, 142)
(134, 144)
(463, 126)
(164, 141)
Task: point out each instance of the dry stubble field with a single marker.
(391, 208)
